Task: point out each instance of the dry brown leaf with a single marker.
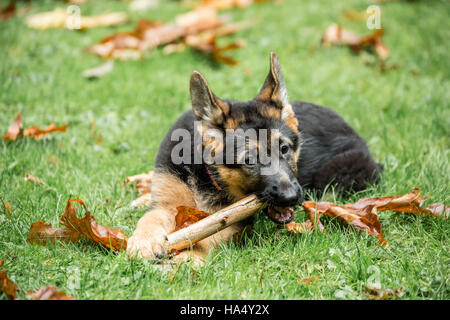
(308, 281)
(99, 71)
(40, 233)
(59, 18)
(383, 294)
(8, 209)
(15, 130)
(363, 214)
(49, 293)
(36, 180)
(151, 34)
(187, 216)
(6, 285)
(8, 11)
(36, 133)
(297, 227)
(336, 35)
(112, 238)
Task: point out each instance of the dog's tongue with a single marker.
(281, 214)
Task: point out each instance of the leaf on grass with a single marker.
(40, 233)
(8, 209)
(363, 214)
(49, 293)
(151, 34)
(15, 130)
(187, 216)
(297, 227)
(336, 35)
(308, 281)
(35, 180)
(112, 238)
(383, 294)
(99, 71)
(6, 285)
(8, 11)
(36, 133)
(60, 18)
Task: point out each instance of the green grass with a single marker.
(404, 115)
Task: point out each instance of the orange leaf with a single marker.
(49, 293)
(112, 238)
(187, 216)
(36, 133)
(296, 227)
(40, 233)
(363, 214)
(6, 285)
(15, 130)
(308, 281)
(335, 35)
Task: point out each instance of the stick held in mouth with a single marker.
(202, 229)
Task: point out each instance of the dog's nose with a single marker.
(287, 194)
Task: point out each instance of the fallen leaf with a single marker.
(8, 209)
(112, 238)
(15, 130)
(383, 294)
(308, 281)
(49, 293)
(36, 133)
(297, 227)
(99, 71)
(151, 34)
(36, 180)
(187, 216)
(363, 214)
(6, 285)
(8, 11)
(336, 35)
(60, 18)
(40, 233)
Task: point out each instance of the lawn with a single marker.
(403, 113)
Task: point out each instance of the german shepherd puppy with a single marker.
(314, 147)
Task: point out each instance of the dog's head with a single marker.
(255, 144)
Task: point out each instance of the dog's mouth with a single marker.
(280, 214)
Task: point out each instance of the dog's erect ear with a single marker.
(205, 104)
(274, 88)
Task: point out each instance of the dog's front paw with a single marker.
(149, 247)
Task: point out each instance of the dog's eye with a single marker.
(284, 149)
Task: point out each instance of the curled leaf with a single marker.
(35, 180)
(112, 238)
(6, 285)
(40, 233)
(15, 130)
(336, 35)
(49, 293)
(36, 133)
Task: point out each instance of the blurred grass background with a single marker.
(403, 113)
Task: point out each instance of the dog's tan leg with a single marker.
(168, 192)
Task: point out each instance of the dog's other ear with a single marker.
(205, 104)
(274, 88)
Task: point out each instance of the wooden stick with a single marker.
(236, 212)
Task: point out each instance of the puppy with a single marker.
(223, 150)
